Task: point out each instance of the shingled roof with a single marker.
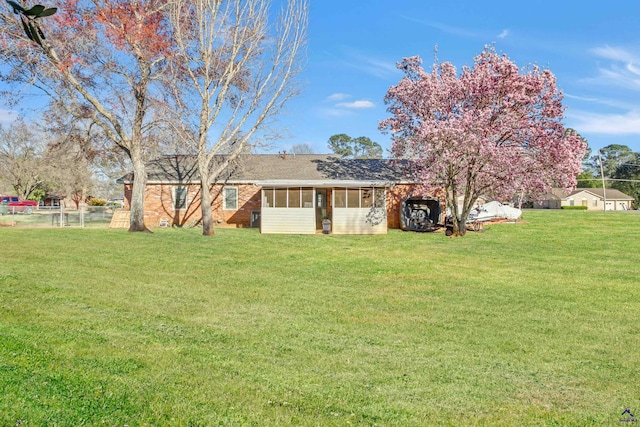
(272, 169)
(611, 193)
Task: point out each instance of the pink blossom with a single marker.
(493, 130)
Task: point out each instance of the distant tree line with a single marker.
(620, 167)
(361, 147)
(56, 160)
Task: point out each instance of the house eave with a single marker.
(187, 182)
(322, 183)
(283, 183)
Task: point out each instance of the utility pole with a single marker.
(604, 189)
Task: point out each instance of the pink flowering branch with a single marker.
(493, 130)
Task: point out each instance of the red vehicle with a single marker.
(15, 205)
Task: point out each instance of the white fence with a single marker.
(56, 216)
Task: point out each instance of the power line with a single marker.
(609, 179)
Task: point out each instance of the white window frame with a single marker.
(225, 207)
(174, 197)
(375, 191)
(272, 192)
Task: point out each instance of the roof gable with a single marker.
(611, 194)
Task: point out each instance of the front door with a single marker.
(321, 206)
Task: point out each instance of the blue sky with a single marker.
(593, 48)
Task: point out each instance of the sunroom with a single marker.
(293, 209)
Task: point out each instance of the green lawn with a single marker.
(536, 323)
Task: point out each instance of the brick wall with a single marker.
(399, 192)
(158, 205)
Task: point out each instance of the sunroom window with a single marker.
(339, 197)
(358, 197)
(353, 198)
(293, 197)
(379, 197)
(306, 197)
(281, 197)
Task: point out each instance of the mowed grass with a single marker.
(536, 323)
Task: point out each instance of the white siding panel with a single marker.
(287, 221)
(354, 221)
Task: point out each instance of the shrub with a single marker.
(96, 202)
(574, 208)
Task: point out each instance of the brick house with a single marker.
(280, 193)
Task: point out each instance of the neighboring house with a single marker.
(51, 200)
(280, 193)
(552, 200)
(592, 198)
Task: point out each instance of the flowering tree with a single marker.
(493, 130)
(234, 68)
(96, 59)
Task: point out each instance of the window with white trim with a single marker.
(358, 197)
(230, 198)
(179, 197)
(292, 197)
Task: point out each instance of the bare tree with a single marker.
(73, 176)
(23, 165)
(99, 61)
(302, 149)
(54, 155)
(234, 71)
(71, 151)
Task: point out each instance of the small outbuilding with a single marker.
(421, 214)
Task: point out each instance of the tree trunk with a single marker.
(205, 196)
(205, 205)
(458, 219)
(459, 226)
(136, 222)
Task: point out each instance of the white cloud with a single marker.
(617, 68)
(338, 97)
(622, 71)
(7, 116)
(356, 104)
(503, 34)
(603, 123)
(615, 54)
(374, 66)
(449, 29)
(580, 98)
(610, 102)
(633, 69)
